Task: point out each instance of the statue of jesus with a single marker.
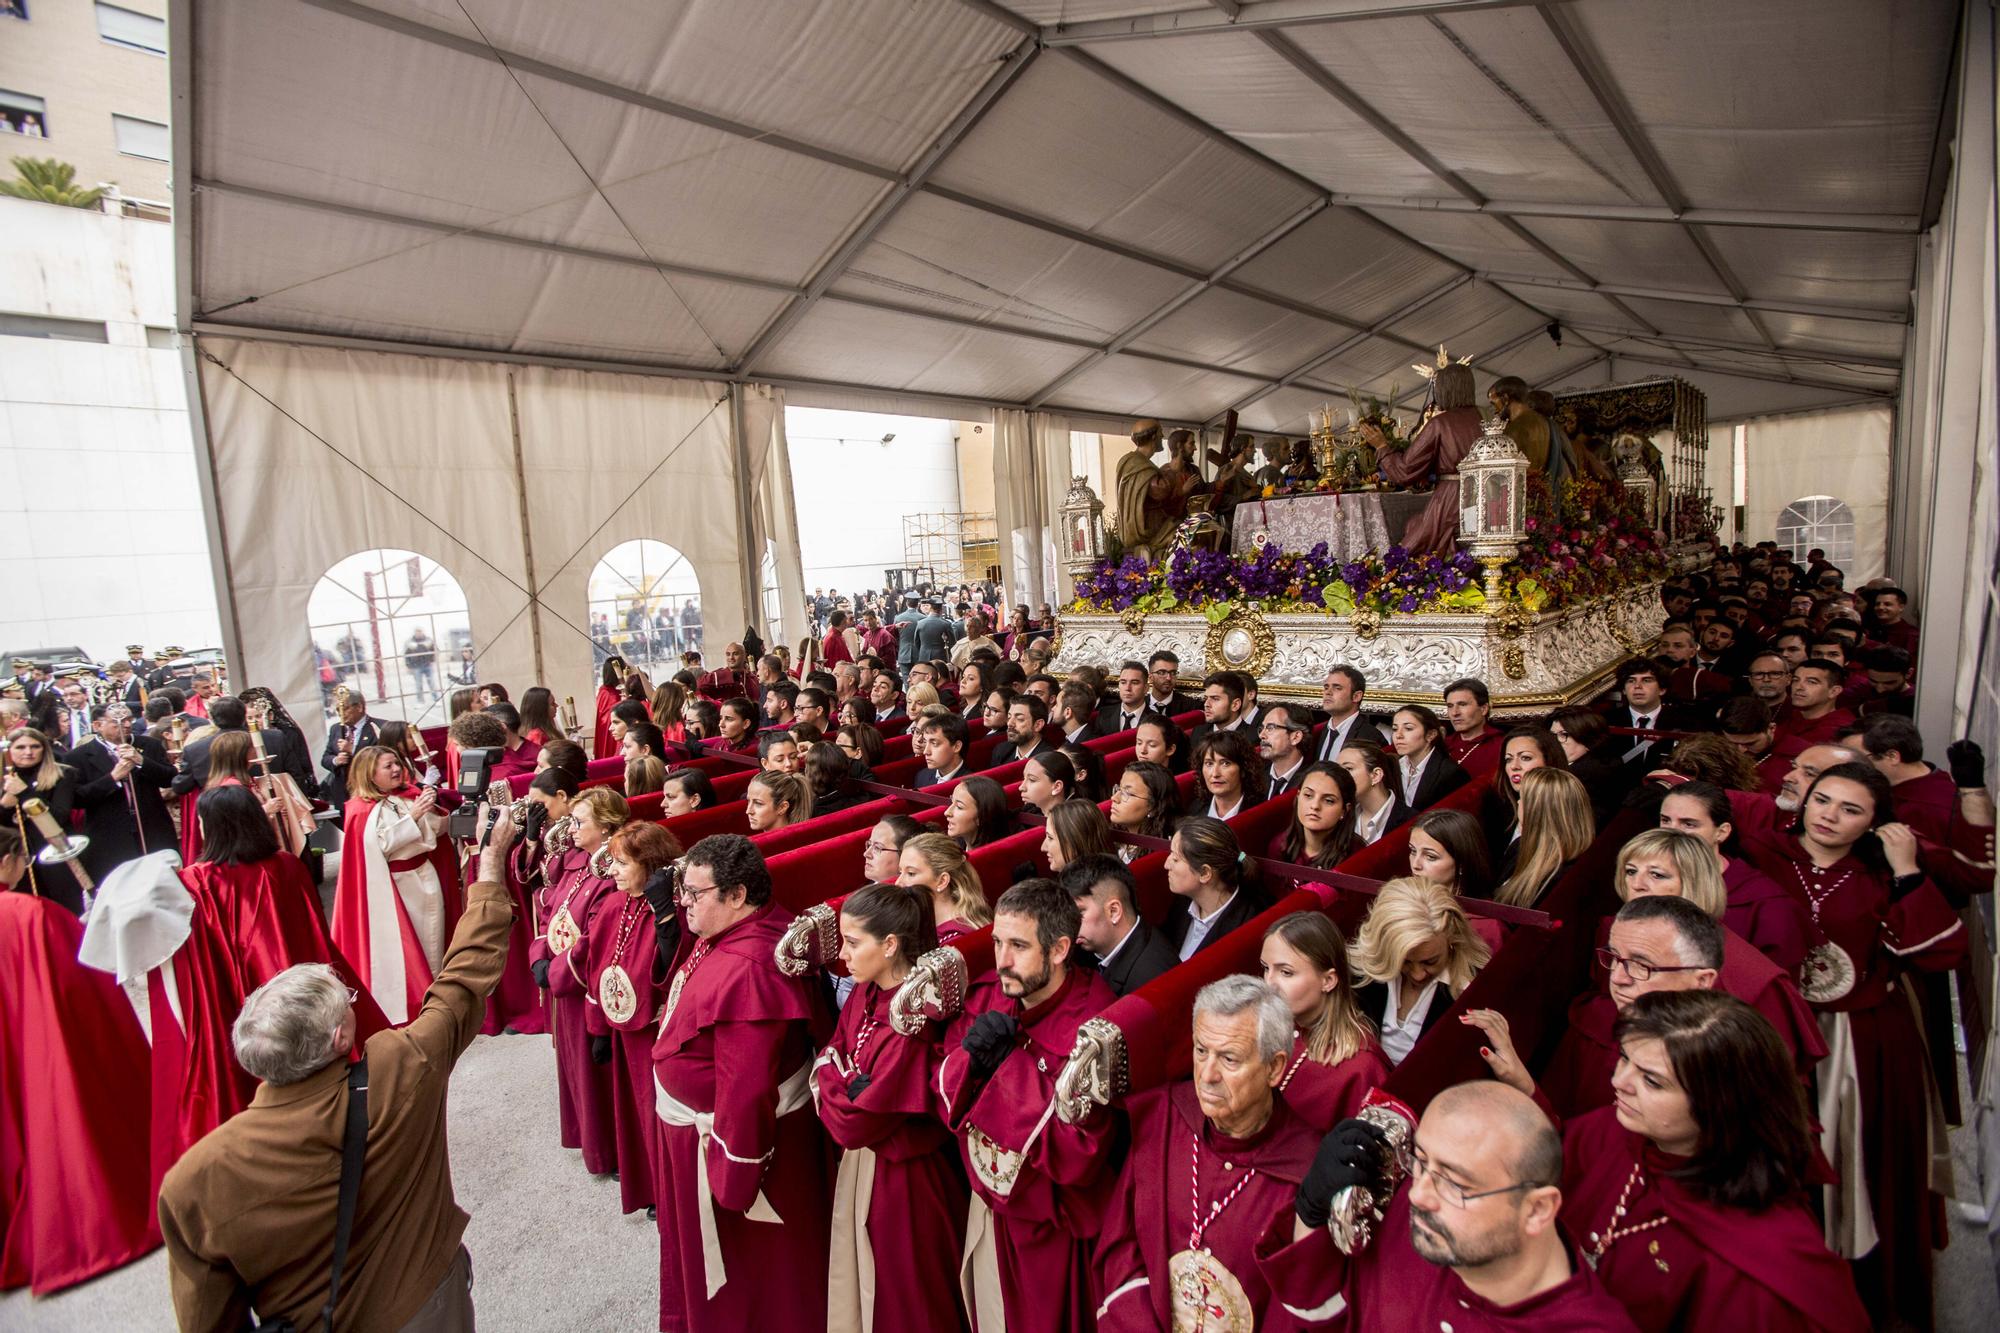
(1153, 499)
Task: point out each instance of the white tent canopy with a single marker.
(664, 218)
(1098, 207)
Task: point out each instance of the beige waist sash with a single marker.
(1850, 1220)
(850, 1276)
(793, 1094)
(979, 1271)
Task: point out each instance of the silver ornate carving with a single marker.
(932, 993)
(1097, 1073)
(810, 942)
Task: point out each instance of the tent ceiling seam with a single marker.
(1012, 65)
(1251, 16)
(1381, 325)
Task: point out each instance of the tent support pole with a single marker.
(211, 511)
(752, 562)
(527, 533)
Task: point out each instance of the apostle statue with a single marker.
(1276, 452)
(1152, 499)
(1528, 428)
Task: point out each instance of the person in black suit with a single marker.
(1124, 712)
(118, 782)
(1129, 953)
(1075, 713)
(1206, 868)
(1026, 716)
(1340, 698)
(1225, 706)
(1415, 954)
(942, 740)
(1593, 755)
(1643, 685)
(126, 689)
(355, 731)
(229, 714)
(1425, 772)
(1163, 670)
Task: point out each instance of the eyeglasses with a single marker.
(1453, 1193)
(1636, 968)
(687, 897)
(353, 995)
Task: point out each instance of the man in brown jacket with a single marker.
(248, 1214)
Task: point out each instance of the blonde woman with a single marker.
(398, 896)
(935, 862)
(1668, 861)
(1557, 826)
(1335, 1056)
(777, 800)
(1414, 956)
(644, 776)
(919, 696)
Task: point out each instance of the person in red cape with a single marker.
(1470, 1241)
(576, 884)
(1214, 1162)
(398, 896)
(1759, 909)
(899, 1200)
(1473, 745)
(195, 942)
(1815, 717)
(73, 1198)
(1040, 1185)
(746, 1221)
(1335, 1059)
(1876, 915)
(1688, 1193)
(622, 968)
(610, 691)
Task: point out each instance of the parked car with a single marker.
(55, 658)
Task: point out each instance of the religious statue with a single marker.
(1152, 499)
(1273, 472)
(1301, 468)
(1234, 480)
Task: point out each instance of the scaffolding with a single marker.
(945, 549)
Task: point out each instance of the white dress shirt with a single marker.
(1400, 1035)
(1371, 828)
(1413, 777)
(1198, 927)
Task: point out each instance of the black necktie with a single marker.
(1278, 786)
(1130, 720)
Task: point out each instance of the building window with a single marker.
(161, 340)
(61, 330)
(23, 114)
(394, 626)
(1818, 521)
(645, 606)
(140, 138)
(125, 27)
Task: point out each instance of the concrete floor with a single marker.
(551, 1253)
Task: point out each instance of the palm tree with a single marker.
(51, 182)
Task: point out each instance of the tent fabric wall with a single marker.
(319, 453)
(1842, 454)
(774, 511)
(1028, 448)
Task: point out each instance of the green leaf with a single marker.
(1339, 597)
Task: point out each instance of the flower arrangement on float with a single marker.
(1589, 541)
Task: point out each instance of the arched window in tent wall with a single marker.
(1818, 521)
(394, 626)
(644, 606)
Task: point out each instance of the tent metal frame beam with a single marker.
(1893, 224)
(204, 186)
(1818, 355)
(1599, 82)
(1012, 66)
(1739, 372)
(1298, 373)
(1806, 309)
(1138, 329)
(1253, 15)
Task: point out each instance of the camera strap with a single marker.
(353, 1155)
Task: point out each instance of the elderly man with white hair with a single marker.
(249, 1213)
(1215, 1162)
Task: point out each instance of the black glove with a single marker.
(989, 1040)
(540, 969)
(659, 892)
(534, 821)
(1351, 1155)
(1968, 764)
(858, 1085)
(600, 1050)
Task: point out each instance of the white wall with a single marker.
(97, 467)
(1843, 453)
(854, 492)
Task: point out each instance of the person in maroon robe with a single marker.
(1876, 916)
(1688, 1193)
(1214, 1161)
(610, 692)
(1951, 810)
(195, 942)
(1040, 1185)
(1759, 909)
(1470, 1241)
(899, 1202)
(576, 885)
(745, 1221)
(622, 972)
(1437, 447)
(1335, 1058)
(1815, 716)
(398, 897)
(516, 1005)
(73, 1198)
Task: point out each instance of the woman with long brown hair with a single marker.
(31, 773)
(1557, 826)
(1335, 1057)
